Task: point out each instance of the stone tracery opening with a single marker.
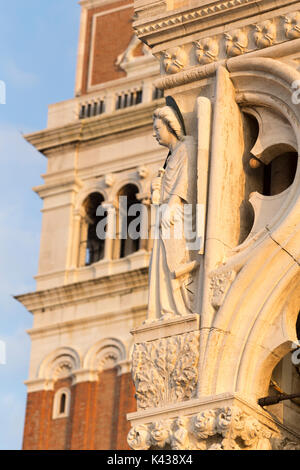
(270, 164)
(279, 174)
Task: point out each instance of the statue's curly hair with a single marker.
(170, 118)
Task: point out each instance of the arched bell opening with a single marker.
(129, 216)
(91, 245)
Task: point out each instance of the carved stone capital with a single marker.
(228, 428)
(165, 370)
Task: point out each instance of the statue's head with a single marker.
(167, 126)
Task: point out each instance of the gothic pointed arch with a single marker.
(258, 277)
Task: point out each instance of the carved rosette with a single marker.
(236, 42)
(292, 25)
(174, 59)
(206, 50)
(227, 428)
(265, 34)
(165, 371)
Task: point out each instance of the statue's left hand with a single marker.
(172, 212)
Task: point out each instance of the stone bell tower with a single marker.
(91, 292)
(233, 69)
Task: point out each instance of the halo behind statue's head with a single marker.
(171, 120)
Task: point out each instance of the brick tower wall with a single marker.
(97, 419)
(107, 35)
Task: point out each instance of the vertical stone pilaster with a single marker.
(111, 230)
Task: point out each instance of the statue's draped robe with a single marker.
(168, 296)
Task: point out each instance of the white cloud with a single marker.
(18, 77)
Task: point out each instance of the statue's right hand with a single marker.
(156, 184)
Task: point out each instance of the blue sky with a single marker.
(38, 48)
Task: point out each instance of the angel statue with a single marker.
(173, 192)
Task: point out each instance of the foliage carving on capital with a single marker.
(165, 370)
(228, 428)
(139, 438)
(219, 285)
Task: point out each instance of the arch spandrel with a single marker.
(242, 340)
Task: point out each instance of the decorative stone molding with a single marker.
(227, 428)
(292, 25)
(219, 285)
(187, 76)
(206, 50)
(204, 71)
(143, 172)
(250, 38)
(59, 365)
(63, 368)
(124, 367)
(69, 294)
(174, 59)
(106, 125)
(265, 34)
(175, 20)
(236, 42)
(165, 370)
(104, 355)
(109, 180)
